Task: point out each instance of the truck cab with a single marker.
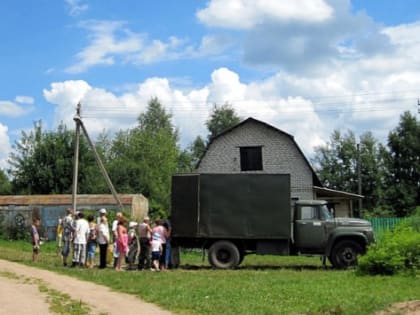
(317, 232)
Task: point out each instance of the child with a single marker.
(35, 238)
(156, 246)
(91, 242)
(133, 246)
(59, 235)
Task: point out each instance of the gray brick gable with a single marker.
(280, 155)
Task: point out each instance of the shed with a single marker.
(16, 212)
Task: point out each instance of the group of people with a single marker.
(141, 246)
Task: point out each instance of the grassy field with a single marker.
(262, 285)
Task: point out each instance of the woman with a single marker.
(163, 234)
(122, 243)
(103, 241)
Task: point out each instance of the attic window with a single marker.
(251, 158)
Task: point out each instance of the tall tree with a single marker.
(221, 118)
(404, 165)
(42, 162)
(373, 157)
(337, 166)
(191, 155)
(336, 162)
(5, 186)
(143, 159)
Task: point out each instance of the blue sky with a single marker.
(307, 67)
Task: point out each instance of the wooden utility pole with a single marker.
(76, 158)
(359, 177)
(79, 124)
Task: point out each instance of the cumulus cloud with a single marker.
(245, 14)
(362, 94)
(335, 69)
(66, 95)
(298, 36)
(301, 47)
(5, 145)
(104, 110)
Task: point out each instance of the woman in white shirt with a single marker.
(103, 241)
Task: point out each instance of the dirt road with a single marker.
(25, 298)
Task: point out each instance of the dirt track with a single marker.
(24, 298)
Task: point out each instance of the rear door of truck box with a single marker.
(185, 207)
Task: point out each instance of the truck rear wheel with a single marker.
(344, 254)
(224, 255)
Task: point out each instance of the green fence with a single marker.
(381, 225)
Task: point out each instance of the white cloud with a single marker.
(11, 109)
(104, 46)
(111, 42)
(76, 7)
(338, 70)
(102, 109)
(362, 92)
(66, 95)
(245, 14)
(306, 37)
(5, 145)
(24, 99)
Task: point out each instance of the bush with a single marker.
(398, 251)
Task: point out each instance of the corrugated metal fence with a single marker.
(381, 225)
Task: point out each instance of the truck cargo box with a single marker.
(252, 206)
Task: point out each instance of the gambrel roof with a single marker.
(316, 180)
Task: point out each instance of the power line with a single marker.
(342, 107)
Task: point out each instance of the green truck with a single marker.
(232, 215)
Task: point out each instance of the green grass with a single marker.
(262, 285)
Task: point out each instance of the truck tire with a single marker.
(344, 254)
(224, 255)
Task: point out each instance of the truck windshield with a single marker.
(325, 214)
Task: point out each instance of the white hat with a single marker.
(132, 224)
(102, 211)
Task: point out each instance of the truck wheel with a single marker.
(224, 255)
(344, 254)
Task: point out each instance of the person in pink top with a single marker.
(162, 232)
(122, 242)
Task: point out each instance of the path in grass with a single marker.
(99, 298)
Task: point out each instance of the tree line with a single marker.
(143, 158)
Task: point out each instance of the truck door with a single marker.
(309, 229)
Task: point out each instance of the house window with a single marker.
(251, 158)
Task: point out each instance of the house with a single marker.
(254, 146)
(16, 212)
